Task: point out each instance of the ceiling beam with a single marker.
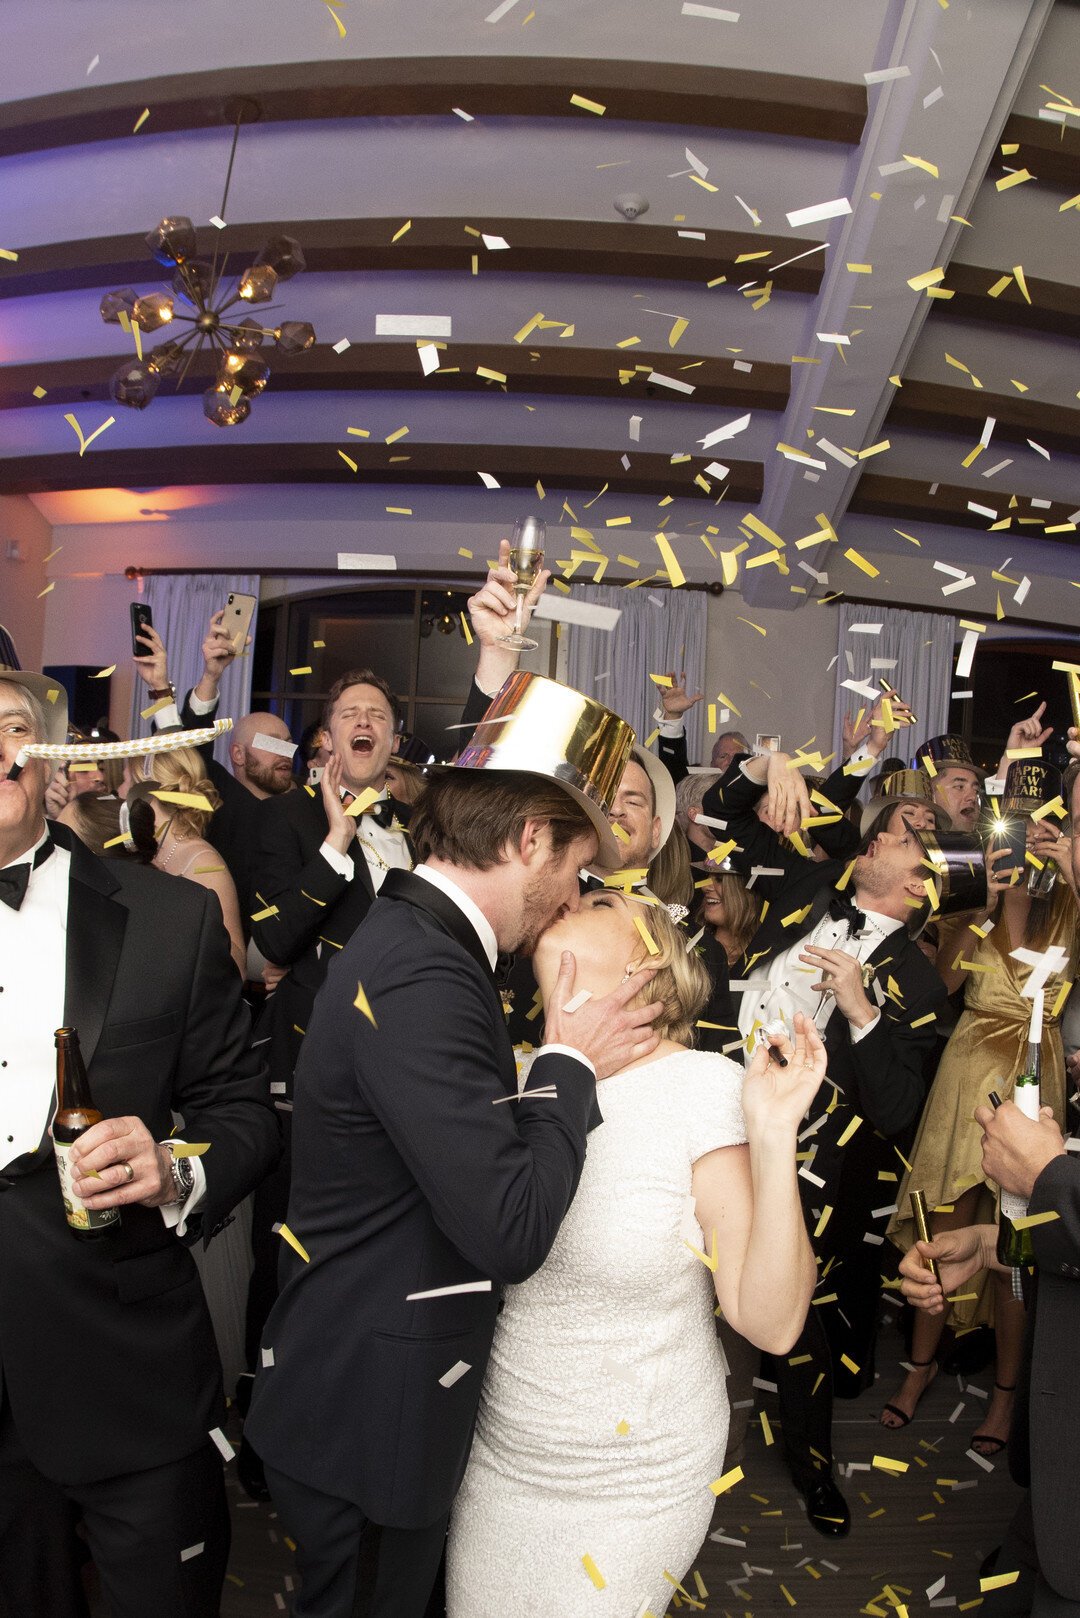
(877, 495)
(1054, 306)
(393, 366)
(948, 409)
(548, 246)
(409, 87)
(1050, 151)
(237, 462)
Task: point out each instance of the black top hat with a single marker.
(955, 861)
(941, 751)
(1029, 783)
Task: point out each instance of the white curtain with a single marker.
(918, 646)
(659, 630)
(182, 605)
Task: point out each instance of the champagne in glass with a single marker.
(526, 559)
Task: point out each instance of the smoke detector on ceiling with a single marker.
(631, 204)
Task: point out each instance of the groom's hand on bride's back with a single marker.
(611, 1031)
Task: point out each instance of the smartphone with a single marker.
(141, 618)
(1010, 834)
(239, 611)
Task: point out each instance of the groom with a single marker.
(421, 1185)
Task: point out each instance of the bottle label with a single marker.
(1026, 1097)
(1012, 1206)
(79, 1216)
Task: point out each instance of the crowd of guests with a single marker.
(792, 906)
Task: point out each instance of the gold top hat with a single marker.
(50, 694)
(1028, 785)
(956, 863)
(942, 751)
(538, 727)
(903, 786)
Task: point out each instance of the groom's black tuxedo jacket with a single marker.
(884, 1076)
(107, 1355)
(410, 1172)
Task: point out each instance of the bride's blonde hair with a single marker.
(682, 983)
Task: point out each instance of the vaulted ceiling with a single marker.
(459, 161)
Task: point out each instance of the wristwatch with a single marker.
(166, 691)
(183, 1177)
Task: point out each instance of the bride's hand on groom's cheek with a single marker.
(777, 1096)
(610, 1031)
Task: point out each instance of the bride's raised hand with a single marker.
(776, 1097)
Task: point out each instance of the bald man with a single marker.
(260, 753)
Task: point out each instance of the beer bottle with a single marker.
(1015, 1247)
(75, 1114)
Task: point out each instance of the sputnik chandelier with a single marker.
(200, 285)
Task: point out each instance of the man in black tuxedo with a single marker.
(110, 1386)
(1029, 1159)
(260, 752)
(420, 1184)
(850, 960)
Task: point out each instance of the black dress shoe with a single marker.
(250, 1474)
(826, 1509)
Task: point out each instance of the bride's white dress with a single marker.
(604, 1412)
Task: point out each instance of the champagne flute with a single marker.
(526, 559)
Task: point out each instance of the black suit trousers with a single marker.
(159, 1539)
(337, 1580)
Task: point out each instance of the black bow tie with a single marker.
(15, 879)
(843, 908)
(504, 965)
(382, 811)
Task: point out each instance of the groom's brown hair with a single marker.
(468, 817)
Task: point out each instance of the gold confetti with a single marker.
(727, 1481)
(140, 120)
(398, 234)
(349, 462)
(298, 1247)
(921, 163)
(362, 1005)
(998, 1581)
(929, 278)
(186, 800)
(5, 252)
(40, 393)
(646, 937)
(84, 443)
(1010, 180)
(264, 915)
(860, 562)
(594, 1572)
(599, 110)
(1028, 1220)
(671, 561)
(103, 674)
(305, 668)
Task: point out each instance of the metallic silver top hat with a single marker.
(536, 726)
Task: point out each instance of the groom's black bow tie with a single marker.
(843, 908)
(504, 965)
(15, 879)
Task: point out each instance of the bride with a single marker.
(604, 1413)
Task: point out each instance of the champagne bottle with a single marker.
(75, 1114)
(1015, 1247)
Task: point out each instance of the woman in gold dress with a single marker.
(985, 1053)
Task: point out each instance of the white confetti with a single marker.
(819, 212)
(454, 1374)
(192, 1551)
(882, 75)
(449, 1292)
(222, 1443)
(341, 345)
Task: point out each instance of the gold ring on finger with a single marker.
(129, 1172)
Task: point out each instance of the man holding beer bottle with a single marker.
(110, 1389)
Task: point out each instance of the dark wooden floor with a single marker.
(910, 1530)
